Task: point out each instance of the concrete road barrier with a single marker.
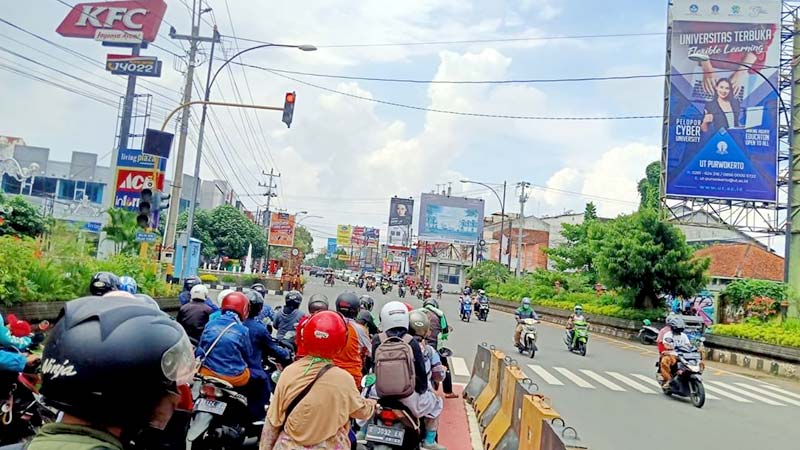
(480, 372)
(486, 417)
(501, 423)
(489, 392)
(522, 388)
(536, 409)
(556, 435)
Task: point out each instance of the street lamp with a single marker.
(210, 82)
(502, 213)
(700, 57)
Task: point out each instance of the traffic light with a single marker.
(288, 108)
(145, 208)
(161, 200)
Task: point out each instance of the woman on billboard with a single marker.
(724, 110)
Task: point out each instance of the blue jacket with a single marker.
(263, 345)
(266, 312)
(185, 298)
(9, 340)
(233, 353)
(11, 361)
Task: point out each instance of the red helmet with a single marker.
(324, 334)
(238, 303)
(408, 305)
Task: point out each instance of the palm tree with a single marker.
(121, 229)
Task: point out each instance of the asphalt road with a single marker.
(610, 396)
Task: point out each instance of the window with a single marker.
(449, 274)
(95, 192)
(44, 186)
(66, 189)
(11, 185)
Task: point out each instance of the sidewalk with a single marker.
(453, 425)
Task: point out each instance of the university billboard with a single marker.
(722, 136)
(453, 220)
(281, 230)
(401, 211)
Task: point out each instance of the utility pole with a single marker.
(177, 177)
(523, 197)
(270, 186)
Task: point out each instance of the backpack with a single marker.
(394, 366)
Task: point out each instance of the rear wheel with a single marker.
(697, 393)
(583, 349)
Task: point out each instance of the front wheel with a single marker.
(583, 349)
(697, 392)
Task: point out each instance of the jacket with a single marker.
(420, 372)
(439, 327)
(12, 361)
(357, 347)
(285, 322)
(233, 353)
(193, 317)
(60, 436)
(9, 340)
(523, 313)
(185, 297)
(263, 345)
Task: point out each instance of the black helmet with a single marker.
(366, 302)
(348, 305)
(256, 302)
(318, 302)
(190, 282)
(258, 287)
(431, 302)
(364, 317)
(100, 350)
(293, 299)
(103, 283)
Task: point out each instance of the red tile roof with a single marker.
(742, 261)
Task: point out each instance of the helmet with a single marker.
(394, 315)
(431, 302)
(348, 304)
(103, 282)
(258, 287)
(324, 334)
(578, 309)
(647, 322)
(526, 301)
(677, 324)
(408, 306)
(190, 282)
(224, 293)
(238, 303)
(118, 294)
(364, 317)
(198, 292)
(148, 300)
(418, 323)
(481, 291)
(99, 349)
(256, 302)
(366, 302)
(128, 284)
(293, 299)
(317, 302)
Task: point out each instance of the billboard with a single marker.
(722, 136)
(331, 247)
(401, 211)
(140, 66)
(134, 173)
(453, 220)
(365, 236)
(344, 235)
(281, 230)
(131, 21)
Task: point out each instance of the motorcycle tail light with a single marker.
(387, 416)
(209, 391)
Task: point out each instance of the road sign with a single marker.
(157, 143)
(140, 66)
(119, 21)
(141, 236)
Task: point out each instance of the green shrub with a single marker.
(208, 278)
(605, 305)
(229, 278)
(741, 292)
(786, 334)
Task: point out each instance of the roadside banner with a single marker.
(331, 250)
(344, 234)
(281, 230)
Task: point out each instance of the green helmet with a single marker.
(647, 322)
(578, 309)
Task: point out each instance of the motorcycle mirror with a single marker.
(44, 325)
(445, 352)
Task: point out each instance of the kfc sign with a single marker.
(137, 19)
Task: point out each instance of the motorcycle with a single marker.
(466, 311)
(578, 337)
(527, 340)
(414, 289)
(401, 291)
(648, 333)
(329, 280)
(22, 411)
(218, 415)
(687, 378)
(386, 288)
(483, 311)
(393, 426)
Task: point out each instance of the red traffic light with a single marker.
(290, 97)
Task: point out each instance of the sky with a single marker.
(345, 156)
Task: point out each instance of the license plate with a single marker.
(385, 435)
(210, 406)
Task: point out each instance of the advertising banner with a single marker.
(401, 211)
(140, 66)
(331, 247)
(453, 220)
(281, 230)
(722, 136)
(344, 235)
(138, 160)
(358, 237)
(129, 21)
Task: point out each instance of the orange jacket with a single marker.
(351, 358)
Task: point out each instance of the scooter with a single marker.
(577, 340)
(527, 340)
(220, 418)
(22, 410)
(401, 291)
(483, 311)
(393, 426)
(386, 288)
(687, 378)
(648, 333)
(466, 311)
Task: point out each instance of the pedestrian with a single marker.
(439, 330)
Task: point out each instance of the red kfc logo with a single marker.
(140, 18)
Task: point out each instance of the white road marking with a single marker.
(652, 382)
(710, 388)
(631, 383)
(574, 378)
(459, 366)
(727, 386)
(605, 382)
(777, 389)
(767, 393)
(545, 375)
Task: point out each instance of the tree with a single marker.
(303, 240)
(644, 257)
(20, 218)
(121, 229)
(649, 192)
(232, 232)
(486, 273)
(577, 254)
(201, 230)
(321, 260)
(590, 213)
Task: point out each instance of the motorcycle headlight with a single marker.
(693, 368)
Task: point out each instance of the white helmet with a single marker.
(394, 315)
(222, 295)
(198, 292)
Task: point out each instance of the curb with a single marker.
(221, 287)
(474, 428)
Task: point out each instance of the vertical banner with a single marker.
(134, 173)
(722, 136)
(453, 220)
(344, 234)
(281, 230)
(358, 237)
(331, 247)
(401, 211)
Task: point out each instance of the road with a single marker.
(610, 396)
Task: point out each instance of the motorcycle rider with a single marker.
(128, 284)
(188, 284)
(663, 331)
(318, 393)
(480, 299)
(194, 315)
(423, 403)
(439, 331)
(263, 345)
(231, 358)
(357, 347)
(317, 303)
(103, 283)
(365, 315)
(12, 361)
(288, 317)
(419, 326)
(576, 316)
(439, 290)
(674, 339)
(95, 353)
(525, 311)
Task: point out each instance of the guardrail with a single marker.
(511, 413)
